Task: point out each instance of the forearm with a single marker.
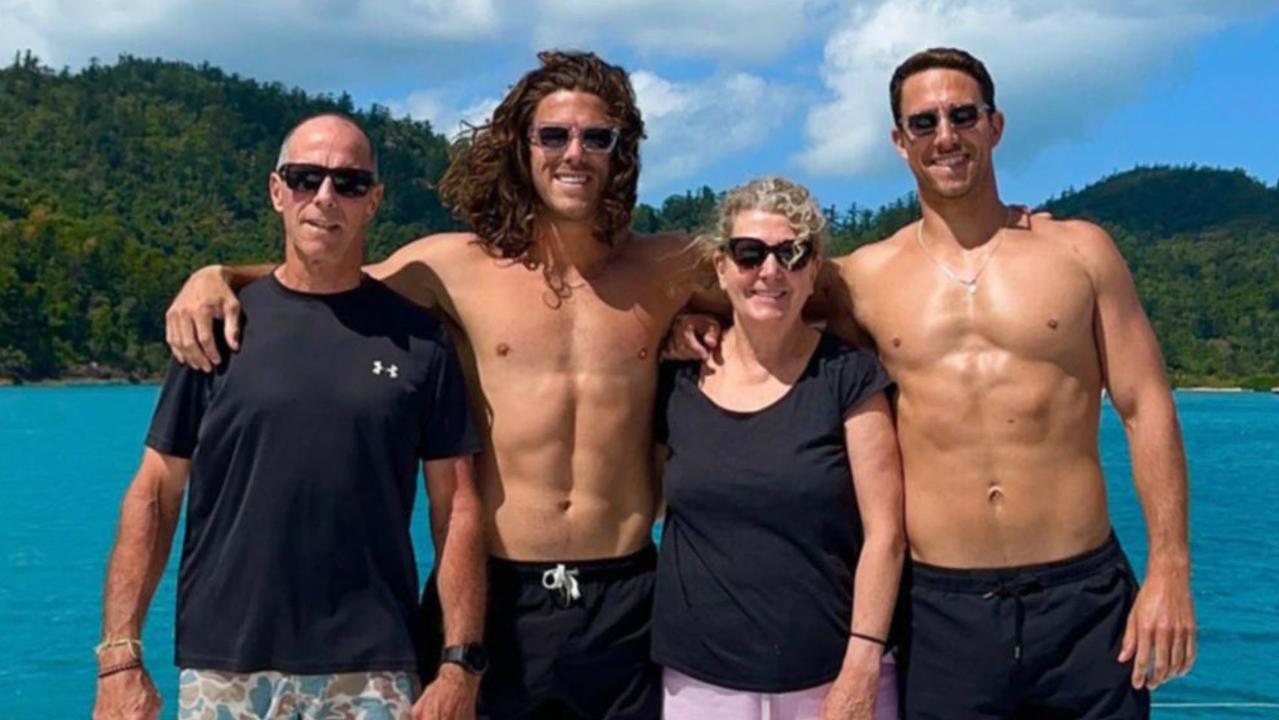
(237, 276)
(461, 570)
(874, 593)
(137, 560)
(1159, 473)
(875, 583)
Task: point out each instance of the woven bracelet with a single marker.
(134, 645)
(116, 669)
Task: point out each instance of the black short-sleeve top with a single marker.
(304, 449)
(762, 532)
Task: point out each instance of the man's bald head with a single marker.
(328, 122)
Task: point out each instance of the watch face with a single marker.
(472, 657)
(476, 657)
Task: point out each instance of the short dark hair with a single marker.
(283, 157)
(939, 57)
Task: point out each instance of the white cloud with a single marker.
(693, 125)
(284, 37)
(443, 114)
(740, 30)
(314, 42)
(1058, 67)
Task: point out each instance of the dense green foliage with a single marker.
(116, 181)
(1203, 247)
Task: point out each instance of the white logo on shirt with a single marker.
(379, 368)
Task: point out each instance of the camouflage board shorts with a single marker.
(216, 695)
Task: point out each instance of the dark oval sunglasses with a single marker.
(960, 117)
(347, 182)
(749, 253)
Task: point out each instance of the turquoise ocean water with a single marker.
(66, 455)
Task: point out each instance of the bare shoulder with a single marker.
(421, 270)
(440, 247)
(871, 257)
(657, 247)
(666, 255)
(1089, 242)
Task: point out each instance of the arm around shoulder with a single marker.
(207, 295)
(417, 269)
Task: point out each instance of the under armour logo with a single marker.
(379, 368)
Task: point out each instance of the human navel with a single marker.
(994, 495)
(503, 349)
(564, 505)
(643, 353)
(1052, 323)
(897, 342)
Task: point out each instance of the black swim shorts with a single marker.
(566, 641)
(1039, 641)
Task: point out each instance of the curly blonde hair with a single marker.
(771, 194)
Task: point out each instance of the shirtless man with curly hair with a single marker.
(559, 311)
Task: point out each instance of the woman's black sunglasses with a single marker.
(749, 253)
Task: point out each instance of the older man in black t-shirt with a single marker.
(298, 585)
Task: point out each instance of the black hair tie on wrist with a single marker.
(869, 639)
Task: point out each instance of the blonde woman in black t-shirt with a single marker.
(783, 541)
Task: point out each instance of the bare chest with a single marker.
(1031, 306)
(518, 322)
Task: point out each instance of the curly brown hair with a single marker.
(489, 184)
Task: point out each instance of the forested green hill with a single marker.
(1203, 246)
(116, 181)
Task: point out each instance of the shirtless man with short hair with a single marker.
(1001, 330)
(561, 312)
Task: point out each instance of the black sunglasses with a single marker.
(749, 253)
(347, 182)
(961, 117)
(556, 137)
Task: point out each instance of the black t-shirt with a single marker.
(762, 533)
(304, 449)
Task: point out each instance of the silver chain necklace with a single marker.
(970, 284)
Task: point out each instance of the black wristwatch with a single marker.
(471, 657)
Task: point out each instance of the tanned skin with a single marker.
(323, 246)
(561, 358)
(1000, 390)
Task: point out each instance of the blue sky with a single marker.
(737, 88)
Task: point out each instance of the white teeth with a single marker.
(572, 179)
(950, 160)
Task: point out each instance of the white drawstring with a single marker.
(564, 580)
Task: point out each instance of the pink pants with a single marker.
(686, 698)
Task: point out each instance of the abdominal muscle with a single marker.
(1002, 469)
(571, 477)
